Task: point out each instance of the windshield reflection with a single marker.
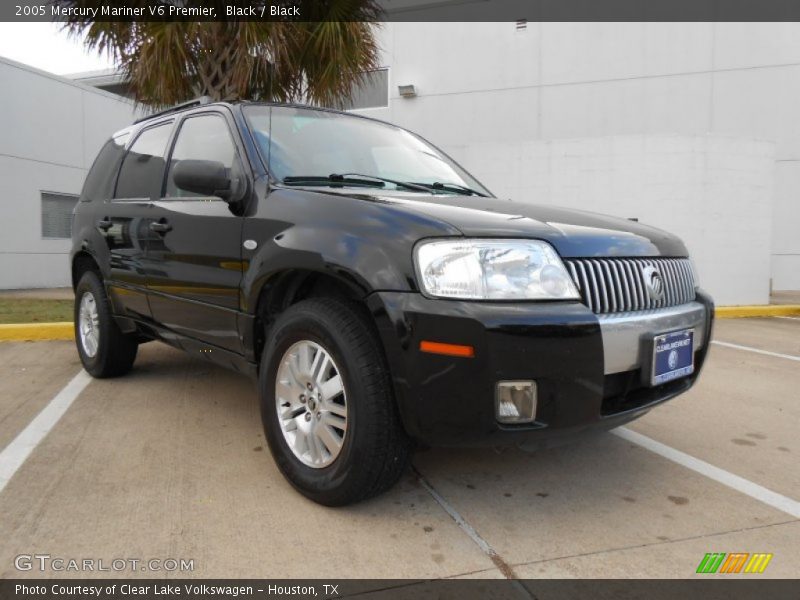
(304, 146)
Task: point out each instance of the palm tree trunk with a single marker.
(215, 63)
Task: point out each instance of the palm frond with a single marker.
(320, 60)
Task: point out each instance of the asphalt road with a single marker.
(171, 462)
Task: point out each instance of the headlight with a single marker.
(479, 269)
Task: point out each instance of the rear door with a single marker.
(195, 257)
(124, 220)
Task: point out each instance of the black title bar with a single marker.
(405, 10)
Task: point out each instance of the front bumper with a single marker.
(589, 368)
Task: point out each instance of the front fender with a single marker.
(365, 244)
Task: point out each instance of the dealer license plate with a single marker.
(673, 356)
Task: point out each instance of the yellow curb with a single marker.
(767, 310)
(27, 332)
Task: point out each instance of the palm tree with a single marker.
(319, 60)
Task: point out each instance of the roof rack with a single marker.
(178, 107)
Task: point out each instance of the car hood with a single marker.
(574, 233)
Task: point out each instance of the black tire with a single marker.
(375, 451)
(115, 351)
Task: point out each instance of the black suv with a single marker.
(380, 294)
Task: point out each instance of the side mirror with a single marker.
(206, 177)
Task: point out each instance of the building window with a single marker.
(373, 92)
(57, 215)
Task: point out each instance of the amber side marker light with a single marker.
(447, 349)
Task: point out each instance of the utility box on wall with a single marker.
(715, 192)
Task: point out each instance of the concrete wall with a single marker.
(489, 83)
(50, 131)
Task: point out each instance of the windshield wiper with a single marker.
(333, 179)
(453, 187)
(405, 184)
(351, 179)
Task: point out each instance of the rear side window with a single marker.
(143, 167)
(99, 184)
(205, 137)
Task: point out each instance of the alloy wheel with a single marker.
(311, 403)
(89, 324)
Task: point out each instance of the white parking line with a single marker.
(16, 453)
(740, 484)
(757, 350)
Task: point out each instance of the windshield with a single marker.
(316, 147)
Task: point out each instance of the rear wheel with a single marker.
(327, 406)
(104, 350)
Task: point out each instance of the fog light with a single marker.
(515, 401)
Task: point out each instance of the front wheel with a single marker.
(327, 406)
(104, 350)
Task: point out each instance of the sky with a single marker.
(44, 46)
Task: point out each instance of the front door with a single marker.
(194, 258)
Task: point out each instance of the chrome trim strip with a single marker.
(623, 333)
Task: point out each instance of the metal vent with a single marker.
(611, 285)
(522, 24)
(57, 215)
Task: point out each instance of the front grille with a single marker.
(610, 285)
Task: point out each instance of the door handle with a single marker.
(160, 226)
(104, 224)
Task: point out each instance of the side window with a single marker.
(143, 166)
(99, 184)
(204, 137)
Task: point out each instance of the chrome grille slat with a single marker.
(649, 303)
(677, 289)
(595, 266)
(669, 287)
(611, 289)
(682, 274)
(681, 282)
(593, 283)
(640, 293)
(617, 289)
(688, 277)
(635, 291)
(620, 267)
(611, 285)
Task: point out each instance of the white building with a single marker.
(694, 127)
(687, 126)
(50, 131)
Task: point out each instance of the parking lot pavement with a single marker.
(596, 497)
(743, 416)
(677, 558)
(30, 375)
(170, 461)
(777, 334)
